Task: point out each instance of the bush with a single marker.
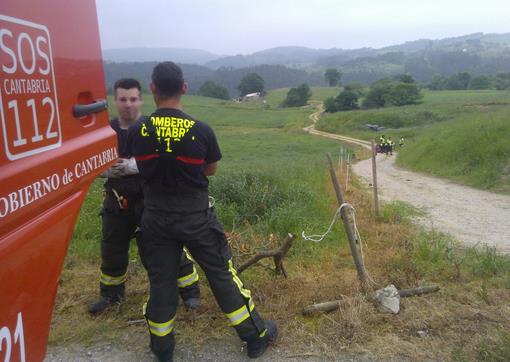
(387, 92)
(213, 90)
(297, 97)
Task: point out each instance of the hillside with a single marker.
(478, 54)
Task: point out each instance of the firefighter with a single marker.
(390, 145)
(382, 144)
(122, 209)
(175, 153)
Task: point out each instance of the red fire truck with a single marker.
(54, 140)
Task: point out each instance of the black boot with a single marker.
(102, 304)
(257, 347)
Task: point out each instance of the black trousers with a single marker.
(163, 238)
(118, 228)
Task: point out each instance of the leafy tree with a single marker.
(438, 82)
(387, 92)
(357, 88)
(377, 96)
(332, 76)
(458, 81)
(401, 94)
(405, 78)
(480, 82)
(251, 83)
(297, 97)
(347, 101)
(502, 81)
(330, 105)
(213, 90)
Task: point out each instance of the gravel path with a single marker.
(229, 350)
(471, 216)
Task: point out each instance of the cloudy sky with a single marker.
(238, 27)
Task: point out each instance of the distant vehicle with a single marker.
(375, 127)
(54, 140)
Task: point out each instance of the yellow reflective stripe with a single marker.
(238, 316)
(245, 292)
(188, 255)
(263, 333)
(252, 305)
(188, 279)
(109, 280)
(161, 329)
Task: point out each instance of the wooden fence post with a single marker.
(348, 228)
(374, 179)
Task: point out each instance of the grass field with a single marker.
(460, 135)
(272, 180)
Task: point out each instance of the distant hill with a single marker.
(477, 53)
(179, 55)
(306, 57)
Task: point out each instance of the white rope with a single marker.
(212, 201)
(319, 237)
(357, 236)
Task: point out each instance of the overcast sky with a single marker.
(239, 27)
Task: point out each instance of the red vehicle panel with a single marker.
(54, 140)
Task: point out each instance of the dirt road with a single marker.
(471, 216)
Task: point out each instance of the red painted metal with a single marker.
(50, 60)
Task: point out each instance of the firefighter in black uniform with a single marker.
(175, 153)
(122, 210)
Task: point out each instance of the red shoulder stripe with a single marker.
(146, 157)
(193, 161)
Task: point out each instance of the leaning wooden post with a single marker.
(374, 178)
(347, 171)
(348, 229)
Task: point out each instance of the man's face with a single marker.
(128, 103)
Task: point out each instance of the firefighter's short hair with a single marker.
(168, 79)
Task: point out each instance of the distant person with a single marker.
(122, 210)
(175, 167)
(390, 145)
(382, 144)
(401, 142)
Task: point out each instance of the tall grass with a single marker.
(474, 150)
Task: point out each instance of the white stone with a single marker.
(388, 299)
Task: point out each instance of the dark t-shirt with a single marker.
(174, 163)
(122, 137)
(129, 186)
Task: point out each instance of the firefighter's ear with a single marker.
(153, 88)
(184, 88)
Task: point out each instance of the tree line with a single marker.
(275, 76)
(400, 91)
(464, 81)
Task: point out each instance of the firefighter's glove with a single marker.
(128, 166)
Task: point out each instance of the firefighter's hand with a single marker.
(130, 167)
(115, 171)
(127, 166)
